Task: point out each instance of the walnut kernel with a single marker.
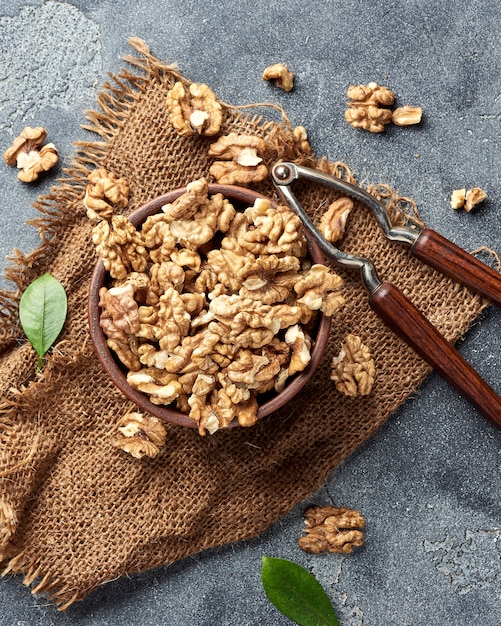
(407, 115)
(120, 246)
(333, 221)
(353, 370)
(458, 198)
(467, 200)
(280, 75)
(119, 312)
(140, 435)
(29, 155)
(239, 159)
(331, 529)
(194, 110)
(365, 107)
(300, 136)
(474, 196)
(105, 191)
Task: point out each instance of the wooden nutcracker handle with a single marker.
(404, 318)
(443, 255)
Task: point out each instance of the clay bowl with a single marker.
(241, 198)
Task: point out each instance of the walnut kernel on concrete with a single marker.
(333, 221)
(280, 75)
(369, 117)
(458, 198)
(372, 93)
(467, 200)
(474, 196)
(366, 107)
(194, 109)
(104, 192)
(29, 155)
(331, 529)
(140, 435)
(239, 159)
(406, 115)
(353, 370)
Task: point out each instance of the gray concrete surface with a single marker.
(429, 482)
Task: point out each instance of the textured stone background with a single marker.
(429, 482)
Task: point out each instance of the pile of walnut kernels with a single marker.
(207, 329)
(175, 297)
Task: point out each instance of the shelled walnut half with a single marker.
(140, 435)
(353, 370)
(104, 192)
(331, 529)
(30, 156)
(367, 107)
(239, 159)
(407, 115)
(194, 110)
(333, 221)
(280, 75)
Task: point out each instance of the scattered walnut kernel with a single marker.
(372, 93)
(333, 221)
(407, 115)
(140, 435)
(29, 155)
(365, 107)
(300, 136)
(104, 192)
(474, 196)
(280, 75)
(353, 370)
(240, 159)
(209, 329)
(467, 200)
(194, 110)
(331, 529)
(458, 198)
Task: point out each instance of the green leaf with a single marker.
(296, 593)
(42, 312)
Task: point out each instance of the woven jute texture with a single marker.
(75, 511)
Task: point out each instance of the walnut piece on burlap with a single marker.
(75, 511)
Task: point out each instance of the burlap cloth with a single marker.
(75, 511)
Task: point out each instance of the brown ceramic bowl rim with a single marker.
(116, 372)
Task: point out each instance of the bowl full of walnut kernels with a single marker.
(210, 307)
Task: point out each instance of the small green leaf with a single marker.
(296, 593)
(42, 312)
